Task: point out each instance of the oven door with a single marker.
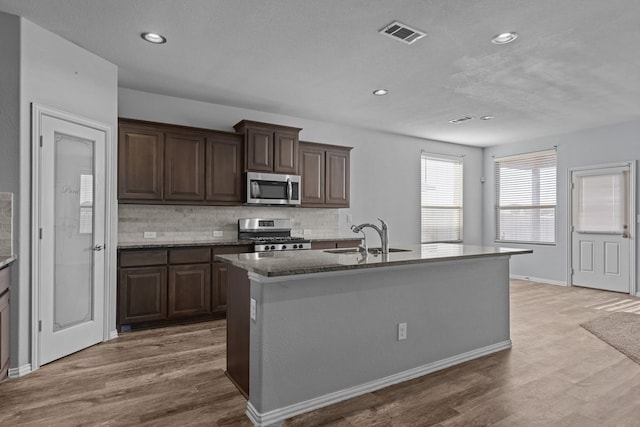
(272, 189)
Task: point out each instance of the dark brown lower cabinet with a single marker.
(142, 294)
(161, 286)
(189, 290)
(238, 329)
(219, 281)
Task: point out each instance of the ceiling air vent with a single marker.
(460, 120)
(402, 32)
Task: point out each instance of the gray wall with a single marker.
(54, 73)
(609, 144)
(345, 333)
(385, 168)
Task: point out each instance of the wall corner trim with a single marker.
(20, 371)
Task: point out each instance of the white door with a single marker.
(71, 192)
(600, 229)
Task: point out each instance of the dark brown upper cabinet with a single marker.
(168, 164)
(184, 166)
(325, 175)
(140, 162)
(312, 170)
(269, 148)
(337, 177)
(223, 178)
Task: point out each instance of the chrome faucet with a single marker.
(383, 232)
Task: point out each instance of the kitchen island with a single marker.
(308, 329)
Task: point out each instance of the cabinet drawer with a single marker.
(189, 256)
(142, 258)
(232, 249)
(4, 280)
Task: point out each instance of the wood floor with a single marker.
(556, 374)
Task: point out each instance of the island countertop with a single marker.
(288, 263)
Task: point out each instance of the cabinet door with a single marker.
(189, 290)
(142, 294)
(260, 150)
(337, 178)
(140, 163)
(184, 166)
(285, 152)
(223, 179)
(219, 285)
(4, 335)
(312, 173)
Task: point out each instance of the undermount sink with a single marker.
(375, 251)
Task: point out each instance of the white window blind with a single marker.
(441, 198)
(600, 202)
(526, 198)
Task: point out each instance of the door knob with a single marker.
(98, 247)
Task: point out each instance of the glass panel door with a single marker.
(73, 228)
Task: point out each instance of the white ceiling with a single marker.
(575, 65)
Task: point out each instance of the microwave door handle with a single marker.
(289, 190)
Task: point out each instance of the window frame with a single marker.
(536, 166)
(455, 160)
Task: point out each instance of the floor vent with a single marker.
(402, 32)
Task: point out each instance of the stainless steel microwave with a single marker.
(273, 189)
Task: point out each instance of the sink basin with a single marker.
(375, 251)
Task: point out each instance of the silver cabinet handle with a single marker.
(98, 247)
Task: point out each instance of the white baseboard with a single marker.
(539, 280)
(113, 334)
(275, 417)
(20, 371)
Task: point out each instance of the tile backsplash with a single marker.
(172, 224)
(6, 224)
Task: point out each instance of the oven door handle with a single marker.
(289, 189)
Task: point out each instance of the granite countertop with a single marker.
(288, 263)
(5, 261)
(160, 244)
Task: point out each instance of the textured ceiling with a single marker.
(575, 65)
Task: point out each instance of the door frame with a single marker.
(38, 111)
(633, 288)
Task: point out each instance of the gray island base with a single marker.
(312, 328)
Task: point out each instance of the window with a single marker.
(526, 198)
(441, 199)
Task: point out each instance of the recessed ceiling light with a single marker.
(154, 38)
(486, 117)
(504, 38)
(380, 92)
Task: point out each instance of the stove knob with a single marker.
(284, 247)
(273, 247)
(295, 246)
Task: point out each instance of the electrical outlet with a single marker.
(149, 234)
(402, 331)
(254, 309)
(306, 232)
(349, 218)
(218, 233)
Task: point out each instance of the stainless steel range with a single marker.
(270, 235)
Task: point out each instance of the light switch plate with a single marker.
(254, 309)
(218, 233)
(149, 234)
(402, 331)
